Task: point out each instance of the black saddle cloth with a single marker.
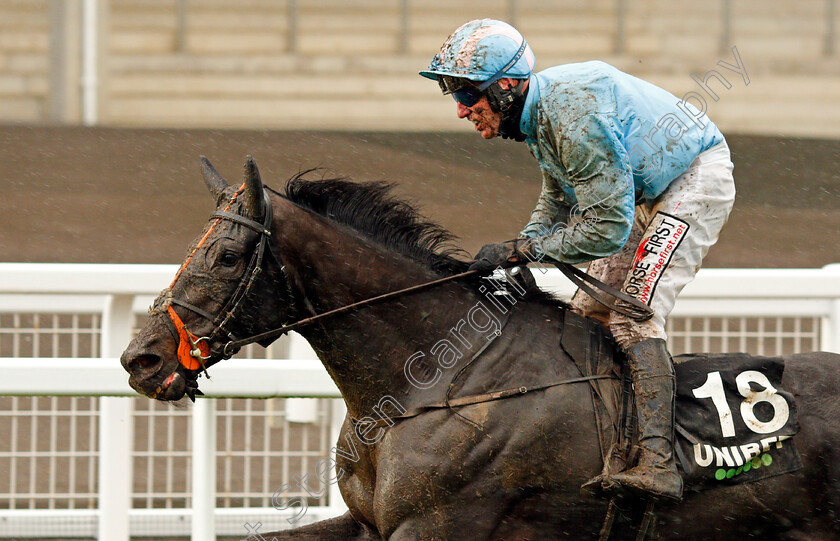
(734, 420)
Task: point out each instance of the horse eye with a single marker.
(229, 259)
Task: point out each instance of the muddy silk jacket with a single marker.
(605, 141)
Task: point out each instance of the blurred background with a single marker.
(334, 84)
(106, 105)
(335, 65)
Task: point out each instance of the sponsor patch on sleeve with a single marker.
(661, 239)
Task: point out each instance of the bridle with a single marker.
(194, 352)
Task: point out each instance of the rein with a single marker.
(230, 347)
(195, 353)
(630, 306)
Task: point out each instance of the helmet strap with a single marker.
(509, 103)
(503, 71)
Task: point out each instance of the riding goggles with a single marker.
(468, 96)
(461, 90)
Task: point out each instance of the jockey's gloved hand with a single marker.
(504, 254)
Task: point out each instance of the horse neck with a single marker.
(366, 350)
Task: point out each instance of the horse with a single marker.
(418, 459)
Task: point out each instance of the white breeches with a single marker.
(670, 237)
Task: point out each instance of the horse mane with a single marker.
(372, 210)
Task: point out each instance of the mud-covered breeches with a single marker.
(670, 237)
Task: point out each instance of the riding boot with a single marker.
(655, 384)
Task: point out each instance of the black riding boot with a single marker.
(654, 383)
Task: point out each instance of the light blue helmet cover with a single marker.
(483, 50)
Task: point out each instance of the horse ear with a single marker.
(214, 181)
(253, 196)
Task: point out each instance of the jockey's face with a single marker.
(485, 120)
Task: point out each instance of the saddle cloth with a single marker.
(734, 421)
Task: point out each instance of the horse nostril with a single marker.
(144, 362)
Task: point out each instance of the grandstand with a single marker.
(332, 64)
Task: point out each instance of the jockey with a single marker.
(634, 180)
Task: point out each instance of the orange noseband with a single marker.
(192, 350)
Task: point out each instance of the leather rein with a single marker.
(194, 353)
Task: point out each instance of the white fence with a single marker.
(113, 467)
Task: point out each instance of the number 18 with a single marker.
(713, 388)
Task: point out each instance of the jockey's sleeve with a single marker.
(597, 167)
(551, 209)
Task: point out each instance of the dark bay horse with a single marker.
(508, 469)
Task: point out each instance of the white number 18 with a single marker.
(713, 388)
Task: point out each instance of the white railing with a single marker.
(118, 292)
(768, 311)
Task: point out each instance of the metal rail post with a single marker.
(204, 470)
(402, 47)
(60, 61)
(291, 26)
(181, 26)
(511, 11)
(337, 413)
(830, 331)
(830, 323)
(116, 434)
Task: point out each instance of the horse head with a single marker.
(212, 297)
(318, 252)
